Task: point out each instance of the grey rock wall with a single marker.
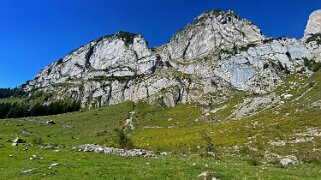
(217, 52)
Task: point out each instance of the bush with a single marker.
(168, 64)
(265, 65)
(310, 157)
(312, 65)
(280, 66)
(315, 37)
(127, 37)
(123, 140)
(37, 141)
(101, 133)
(254, 162)
(207, 145)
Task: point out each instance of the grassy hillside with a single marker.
(248, 147)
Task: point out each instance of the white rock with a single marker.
(314, 24)
(28, 171)
(207, 176)
(287, 96)
(53, 165)
(288, 160)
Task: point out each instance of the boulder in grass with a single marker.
(28, 171)
(18, 140)
(288, 160)
(50, 122)
(53, 165)
(208, 176)
(25, 133)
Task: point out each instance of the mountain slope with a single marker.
(219, 97)
(216, 53)
(250, 147)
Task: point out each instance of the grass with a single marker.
(80, 165)
(71, 128)
(185, 131)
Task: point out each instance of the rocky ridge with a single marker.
(217, 53)
(114, 151)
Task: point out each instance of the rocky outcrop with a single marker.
(312, 35)
(209, 32)
(115, 151)
(314, 24)
(119, 55)
(215, 54)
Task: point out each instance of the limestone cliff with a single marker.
(312, 35)
(215, 54)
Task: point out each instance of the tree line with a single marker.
(8, 92)
(17, 110)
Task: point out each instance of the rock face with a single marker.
(119, 55)
(216, 53)
(209, 32)
(314, 24)
(312, 35)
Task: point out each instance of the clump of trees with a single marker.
(8, 92)
(314, 37)
(312, 65)
(16, 110)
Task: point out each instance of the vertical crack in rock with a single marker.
(88, 56)
(124, 89)
(109, 95)
(186, 48)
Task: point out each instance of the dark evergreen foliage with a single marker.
(314, 37)
(127, 37)
(312, 65)
(8, 92)
(16, 110)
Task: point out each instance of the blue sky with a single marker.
(34, 33)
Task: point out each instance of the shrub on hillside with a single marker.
(123, 140)
(312, 65)
(37, 141)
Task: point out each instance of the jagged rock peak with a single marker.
(212, 30)
(312, 35)
(314, 24)
(117, 55)
(216, 13)
(217, 52)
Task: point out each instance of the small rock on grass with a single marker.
(28, 171)
(53, 165)
(35, 157)
(208, 176)
(18, 140)
(288, 160)
(25, 133)
(50, 122)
